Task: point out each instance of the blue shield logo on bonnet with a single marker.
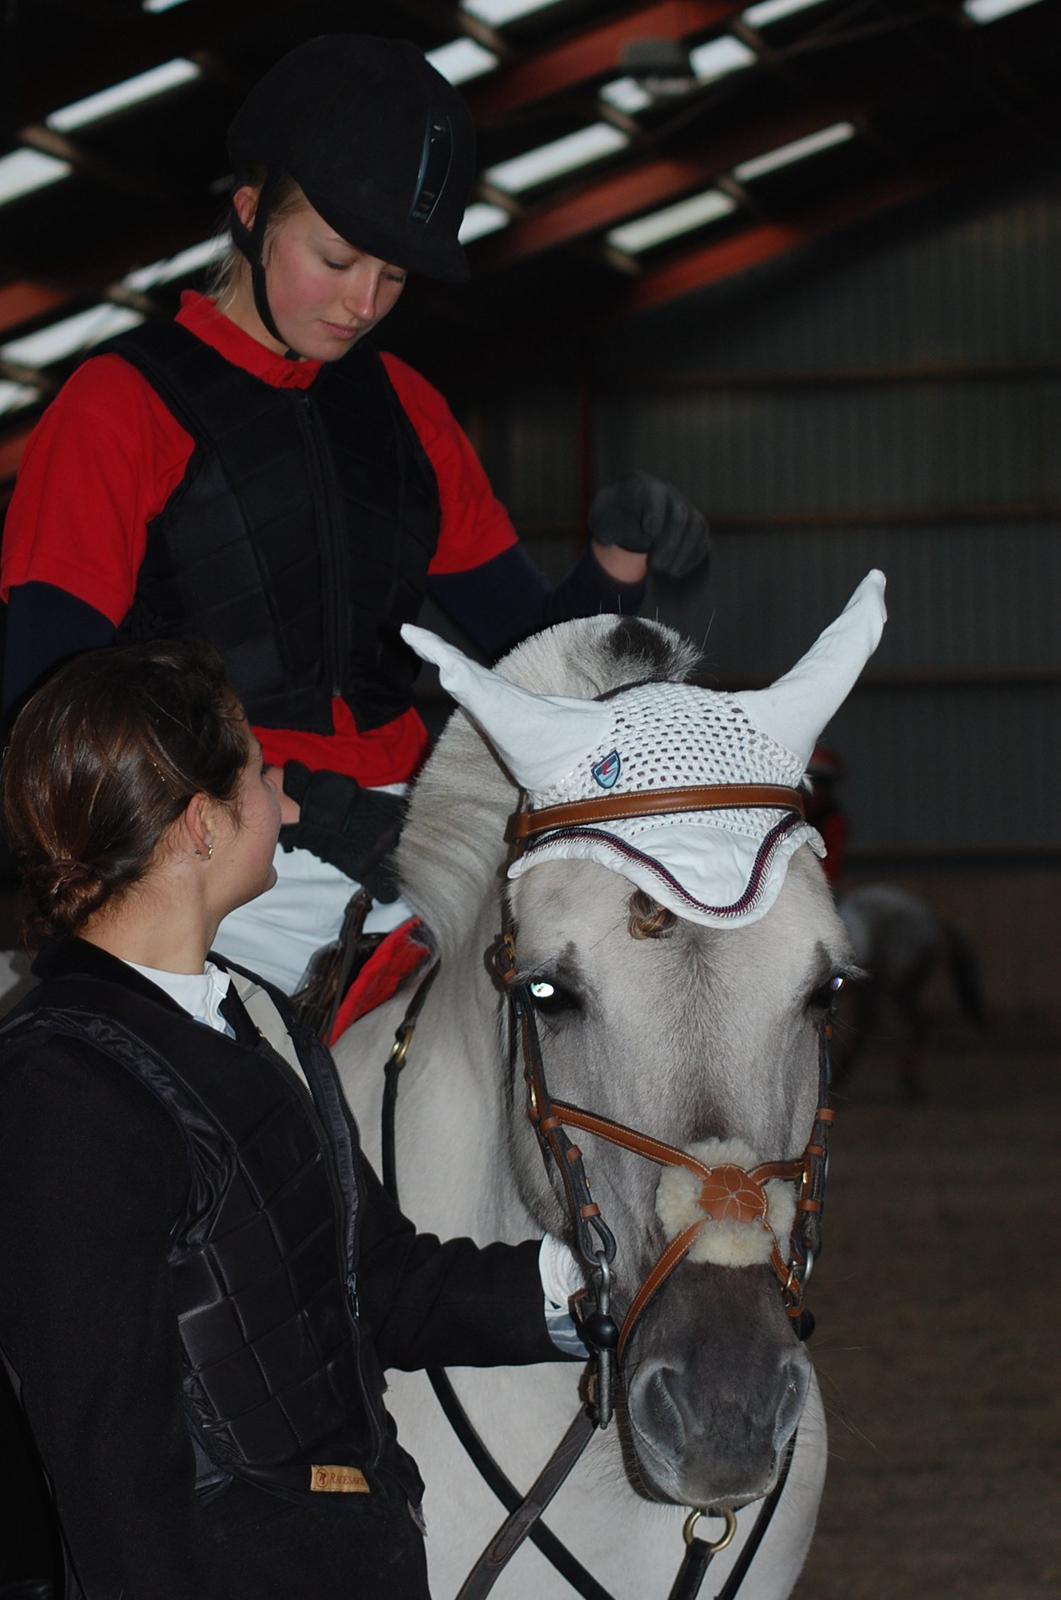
(607, 770)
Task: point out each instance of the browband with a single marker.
(657, 802)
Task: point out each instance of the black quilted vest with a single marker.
(298, 541)
(277, 1375)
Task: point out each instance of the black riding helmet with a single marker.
(378, 141)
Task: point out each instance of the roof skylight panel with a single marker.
(23, 171)
(718, 57)
(798, 150)
(642, 233)
(15, 395)
(183, 264)
(481, 219)
(551, 160)
(761, 16)
(130, 92)
(626, 94)
(73, 334)
(497, 12)
(461, 60)
(987, 10)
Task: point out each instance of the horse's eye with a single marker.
(826, 995)
(549, 998)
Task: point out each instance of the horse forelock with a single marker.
(453, 844)
(597, 655)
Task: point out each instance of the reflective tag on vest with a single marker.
(338, 1480)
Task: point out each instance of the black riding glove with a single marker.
(351, 828)
(643, 513)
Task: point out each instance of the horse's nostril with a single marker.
(793, 1398)
(656, 1397)
(692, 1442)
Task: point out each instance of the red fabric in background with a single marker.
(382, 975)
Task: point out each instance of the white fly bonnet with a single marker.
(722, 867)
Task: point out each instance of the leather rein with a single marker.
(727, 1192)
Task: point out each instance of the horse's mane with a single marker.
(453, 843)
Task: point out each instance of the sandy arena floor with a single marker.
(939, 1308)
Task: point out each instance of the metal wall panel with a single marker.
(952, 769)
(873, 448)
(530, 446)
(962, 600)
(959, 748)
(942, 287)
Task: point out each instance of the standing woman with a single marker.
(255, 472)
(202, 1278)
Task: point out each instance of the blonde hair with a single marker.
(287, 198)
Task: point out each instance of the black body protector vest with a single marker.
(277, 1376)
(299, 539)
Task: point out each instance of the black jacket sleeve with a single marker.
(429, 1304)
(506, 599)
(44, 626)
(92, 1177)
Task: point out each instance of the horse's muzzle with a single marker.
(711, 1427)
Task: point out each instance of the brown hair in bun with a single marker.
(103, 760)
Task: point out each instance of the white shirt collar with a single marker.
(198, 993)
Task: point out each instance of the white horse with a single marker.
(706, 1036)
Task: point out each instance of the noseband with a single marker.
(727, 1192)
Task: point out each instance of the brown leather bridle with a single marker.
(657, 802)
(727, 1192)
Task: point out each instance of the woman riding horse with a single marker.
(256, 473)
(203, 1278)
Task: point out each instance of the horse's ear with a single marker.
(540, 738)
(795, 709)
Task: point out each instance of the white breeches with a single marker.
(278, 934)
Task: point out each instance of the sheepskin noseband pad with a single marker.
(741, 1219)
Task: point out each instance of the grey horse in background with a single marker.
(900, 943)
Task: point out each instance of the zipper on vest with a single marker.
(333, 566)
(354, 1307)
(375, 1427)
(347, 1275)
(348, 1213)
(353, 1304)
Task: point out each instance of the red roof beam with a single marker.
(592, 54)
(11, 450)
(728, 258)
(23, 301)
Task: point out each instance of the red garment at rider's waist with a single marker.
(391, 754)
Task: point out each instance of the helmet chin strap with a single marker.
(250, 242)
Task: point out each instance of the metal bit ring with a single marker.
(728, 1535)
